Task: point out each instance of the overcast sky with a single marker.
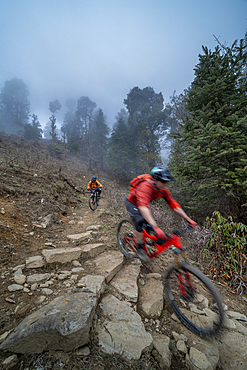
(103, 48)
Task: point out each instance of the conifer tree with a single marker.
(54, 106)
(100, 138)
(119, 156)
(146, 124)
(213, 140)
(32, 131)
(14, 106)
(69, 119)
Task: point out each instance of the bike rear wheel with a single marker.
(125, 231)
(194, 300)
(93, 202)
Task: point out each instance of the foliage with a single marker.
(53, 127)
(32, 131)
(119, 156)
(14, 105)
(227, 248)
(54, 107)
(210, 152)
(78, 126)
(146, 122)
(47, 130)
(100, 130)
(122, 114)
(84, 115)
(85, 131)
(69, 118)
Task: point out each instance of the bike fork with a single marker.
(185, 285)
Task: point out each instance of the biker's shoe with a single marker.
(142, 254)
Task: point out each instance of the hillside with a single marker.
(43, 199)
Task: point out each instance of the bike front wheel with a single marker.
(125, 237)
(93, 202)
(194, 300)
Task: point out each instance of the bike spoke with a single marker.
(125, 235)
(93, 202)
(195, 301)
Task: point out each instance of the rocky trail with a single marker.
(77, 293)
(69, 298)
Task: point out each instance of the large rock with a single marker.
(233, 351)
(92, 283)
(79, 236)
(161, 344)
(122, 330)
(92, 250)
(197, 360)
(106, 264)
(151, 298)
(63, 324)
(34, 262)
(209, 348)
(61, 255)
(126, 281)
(37, 278)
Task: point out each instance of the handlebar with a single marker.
(177, 232)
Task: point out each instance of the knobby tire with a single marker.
(93, 202)
(197, 321)
(126, 228)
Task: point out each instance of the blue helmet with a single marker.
(94, 178)
(161, 174)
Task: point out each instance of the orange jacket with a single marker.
(94, 185)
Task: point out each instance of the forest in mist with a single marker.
(205, 129)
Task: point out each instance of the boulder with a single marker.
(64, 324)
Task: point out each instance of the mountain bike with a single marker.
(191, 295)
(94, 200)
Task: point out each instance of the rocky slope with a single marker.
(55, 249)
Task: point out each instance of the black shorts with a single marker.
(135, 215)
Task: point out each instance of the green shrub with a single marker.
(227, 249)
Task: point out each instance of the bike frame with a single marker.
(171, 240)
(181, 279)
(94, 195)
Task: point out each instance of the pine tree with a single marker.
(101, 131)
(54, 107)
(14, 106)
(69, 119)
(214, 137)
(83, 124)
(33, 131)
(147, 123)
(119, 156)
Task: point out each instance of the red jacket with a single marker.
(145, 193)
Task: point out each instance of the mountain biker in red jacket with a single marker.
(138, 201)
(95, 185)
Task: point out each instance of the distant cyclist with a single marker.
(94, 185)
(143, 190)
